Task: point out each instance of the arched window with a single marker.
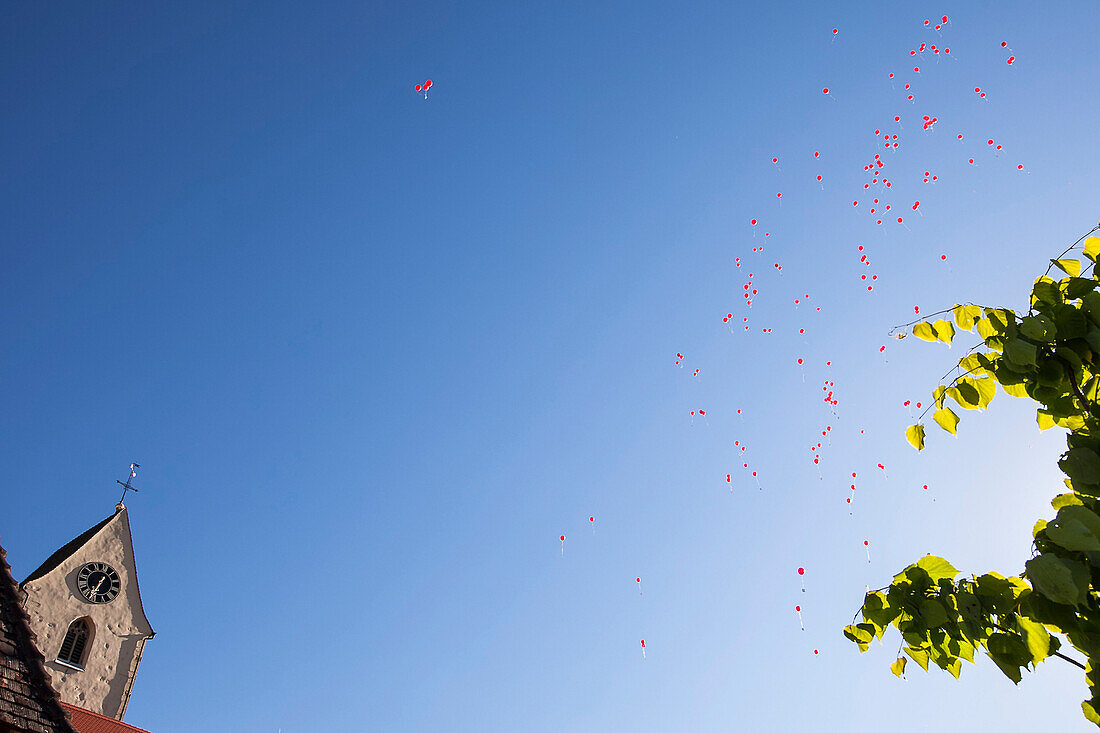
(76, 642)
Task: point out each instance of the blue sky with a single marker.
(376, 353)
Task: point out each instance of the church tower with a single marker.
(84, 607)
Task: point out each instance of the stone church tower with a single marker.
(84, 607)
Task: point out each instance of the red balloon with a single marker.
(428, 84)
(802, 571)
(562, 538)
(417, 87)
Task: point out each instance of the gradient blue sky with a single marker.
(375, 353)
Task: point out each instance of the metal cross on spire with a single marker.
(130, 477)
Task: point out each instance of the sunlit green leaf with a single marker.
(1092, 248)
(915, 435)
(1036, 637)
(898, 667)
(925, 331)
(946, 419)
(966, 316)
(860, 634)
(1040, 525)
(945, 331)
(1044, 418)
(918, 655)
(1067, 499)
(972, 393)
(937, 568)
(1087, 707)
(1070, 267)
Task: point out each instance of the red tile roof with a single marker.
(85, 721)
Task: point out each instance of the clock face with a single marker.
(98, 582)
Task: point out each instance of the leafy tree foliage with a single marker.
(1052, 356)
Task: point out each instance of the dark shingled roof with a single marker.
(61, 555)
(27, 700)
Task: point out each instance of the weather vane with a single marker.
(126, 484)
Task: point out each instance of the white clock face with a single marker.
(98, 582)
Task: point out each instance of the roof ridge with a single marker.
(68, 549)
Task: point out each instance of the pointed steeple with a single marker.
(85, 607)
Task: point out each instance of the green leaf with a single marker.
(937, 568)
(1021, 352)
(945, 332)
(1081, 464)
(966, 316)
(1077, 287)
(1053, 615)
(1072, 535)
(1039, 328)
(946, 419)
(1070, 267)
(932, 613)
(1075, 528)
(1009, 653)
(898, 667)
(1058, 579)
(1014, 390)
(1087, 707)
(1045, 292)
(937, 395)
(915, 435)
(1091, 302)
(1071, 323)
(1092, 248)
(925, 331)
